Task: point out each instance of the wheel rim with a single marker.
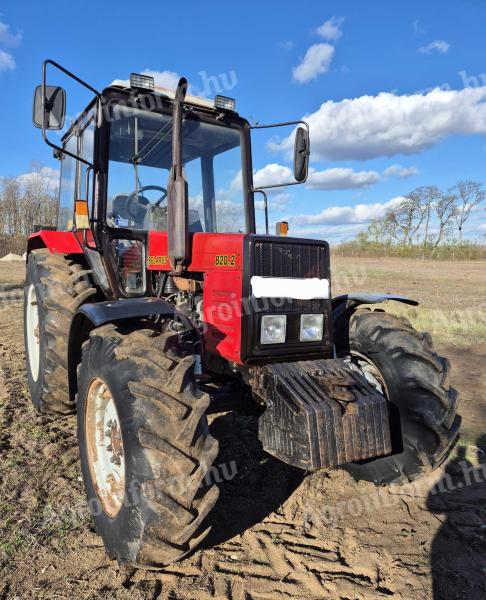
(370, 371)
(32, 326)
(105, 447)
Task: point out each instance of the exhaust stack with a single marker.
(177, 191)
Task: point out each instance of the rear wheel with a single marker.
(55, 287)
(403, 365)
(146, 452)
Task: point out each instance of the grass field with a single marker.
(452, 294)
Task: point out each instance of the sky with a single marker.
(394, 92)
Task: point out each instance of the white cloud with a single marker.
(275, 202)
(7, 62)
(316, 61)
(438, 46)
(330, 30)
(400, 172)
(7, 38)
(345, 215)
(165, 79)
(272, 174)
(417, 28)
(47, 176)
(327, 232)
(287, 45)
(341, 179)
(387, 124)
(328, 179)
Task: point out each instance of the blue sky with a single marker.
(382, 133)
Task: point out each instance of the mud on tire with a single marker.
(61, 283)
(424, 423)
(167, 448)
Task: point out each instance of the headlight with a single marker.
(273, 329)
(311, 328)
(130, 262)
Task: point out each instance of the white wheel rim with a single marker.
(104, 446)
(33, 337)
(370, 371)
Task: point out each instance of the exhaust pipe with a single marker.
(177, 191)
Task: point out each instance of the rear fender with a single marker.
(344, 306)
(57, 242)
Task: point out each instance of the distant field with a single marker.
(452, 294)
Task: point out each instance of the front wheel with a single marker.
(402, 364)
(144, 445)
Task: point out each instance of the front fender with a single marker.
(347, 302)
(99, 313)
(344, 306)
(92, 315)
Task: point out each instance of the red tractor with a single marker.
(154, 302)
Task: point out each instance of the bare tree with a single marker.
(10, 206)
(406, 219)
(378, 230)
(446, 210)
(428, 197)
(26, 201)
(469, 194)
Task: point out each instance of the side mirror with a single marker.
(54, 109)
(301, 154)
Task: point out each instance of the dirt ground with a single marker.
(276, 534)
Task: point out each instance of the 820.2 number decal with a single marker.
(225, 260)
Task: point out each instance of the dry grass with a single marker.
(452, 294)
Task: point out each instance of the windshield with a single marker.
(140, 162)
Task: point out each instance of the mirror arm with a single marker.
(277, 185)
(66, 152)
(66, 72)
(268, 187)
(283, 124)
(44, 116)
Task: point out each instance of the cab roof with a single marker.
(170, 94)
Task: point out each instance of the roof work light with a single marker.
(225, 103)
(142, 82)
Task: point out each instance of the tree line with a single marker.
(25, 202)
(425, 220)
(428, 216)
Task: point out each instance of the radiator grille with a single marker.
(299, 261)
(290, 260)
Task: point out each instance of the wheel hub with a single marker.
(370, 371)
(105, 447)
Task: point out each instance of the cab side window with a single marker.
(73, 173)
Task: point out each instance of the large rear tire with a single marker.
(403, 363)
(55, 286)
(146, 452)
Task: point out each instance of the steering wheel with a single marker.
(137, 204)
